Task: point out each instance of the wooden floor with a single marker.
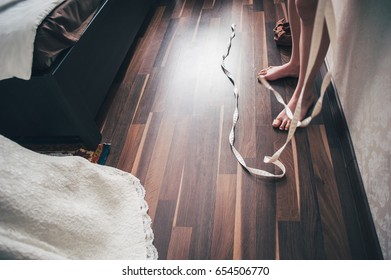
(168, 117)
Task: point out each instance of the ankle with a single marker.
(308, 97)
(294, 66)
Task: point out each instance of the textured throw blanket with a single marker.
(68, 208)
(19, 20)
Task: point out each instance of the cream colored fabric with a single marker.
(68, 208)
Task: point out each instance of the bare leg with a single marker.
(306, 10)
(292, 68)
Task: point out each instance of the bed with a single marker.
(64, 93)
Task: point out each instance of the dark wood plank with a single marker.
(148, 98)
(167, 42)
(179, 244)
(258, 5)
(115, 131)
(291, 243)
(163, 222)
(333, 225)
(173, 174)
(129, 151)
(248, 214)
(224, 218)
(258, 231)
(287, 189)
(238, 241)
(371, 244)
(154, 44)
(188, 8)
(263, 97)
(355, 236)
(145, 157)
(311, 226)
(246, 138)
(197, 196)
(266, 195)
(258, 198)
(158, 164)
(228, 163)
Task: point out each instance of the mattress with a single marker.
(61, 29)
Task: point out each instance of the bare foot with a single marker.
(272, 73)
(283, 122)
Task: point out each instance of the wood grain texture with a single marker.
(287, 200)
(333, 227)
(169, 115)
(179, 243)
(224, 218)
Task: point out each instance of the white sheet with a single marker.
(19, 21)
(68, 208)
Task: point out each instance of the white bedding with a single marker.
(19, 20)
(68, 208)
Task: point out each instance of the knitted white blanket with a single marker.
(68, 208)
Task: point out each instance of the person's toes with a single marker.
(288, 123)
(276, 122)
(283, 123)
(263, 72)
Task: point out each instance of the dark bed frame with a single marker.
(65, 101)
